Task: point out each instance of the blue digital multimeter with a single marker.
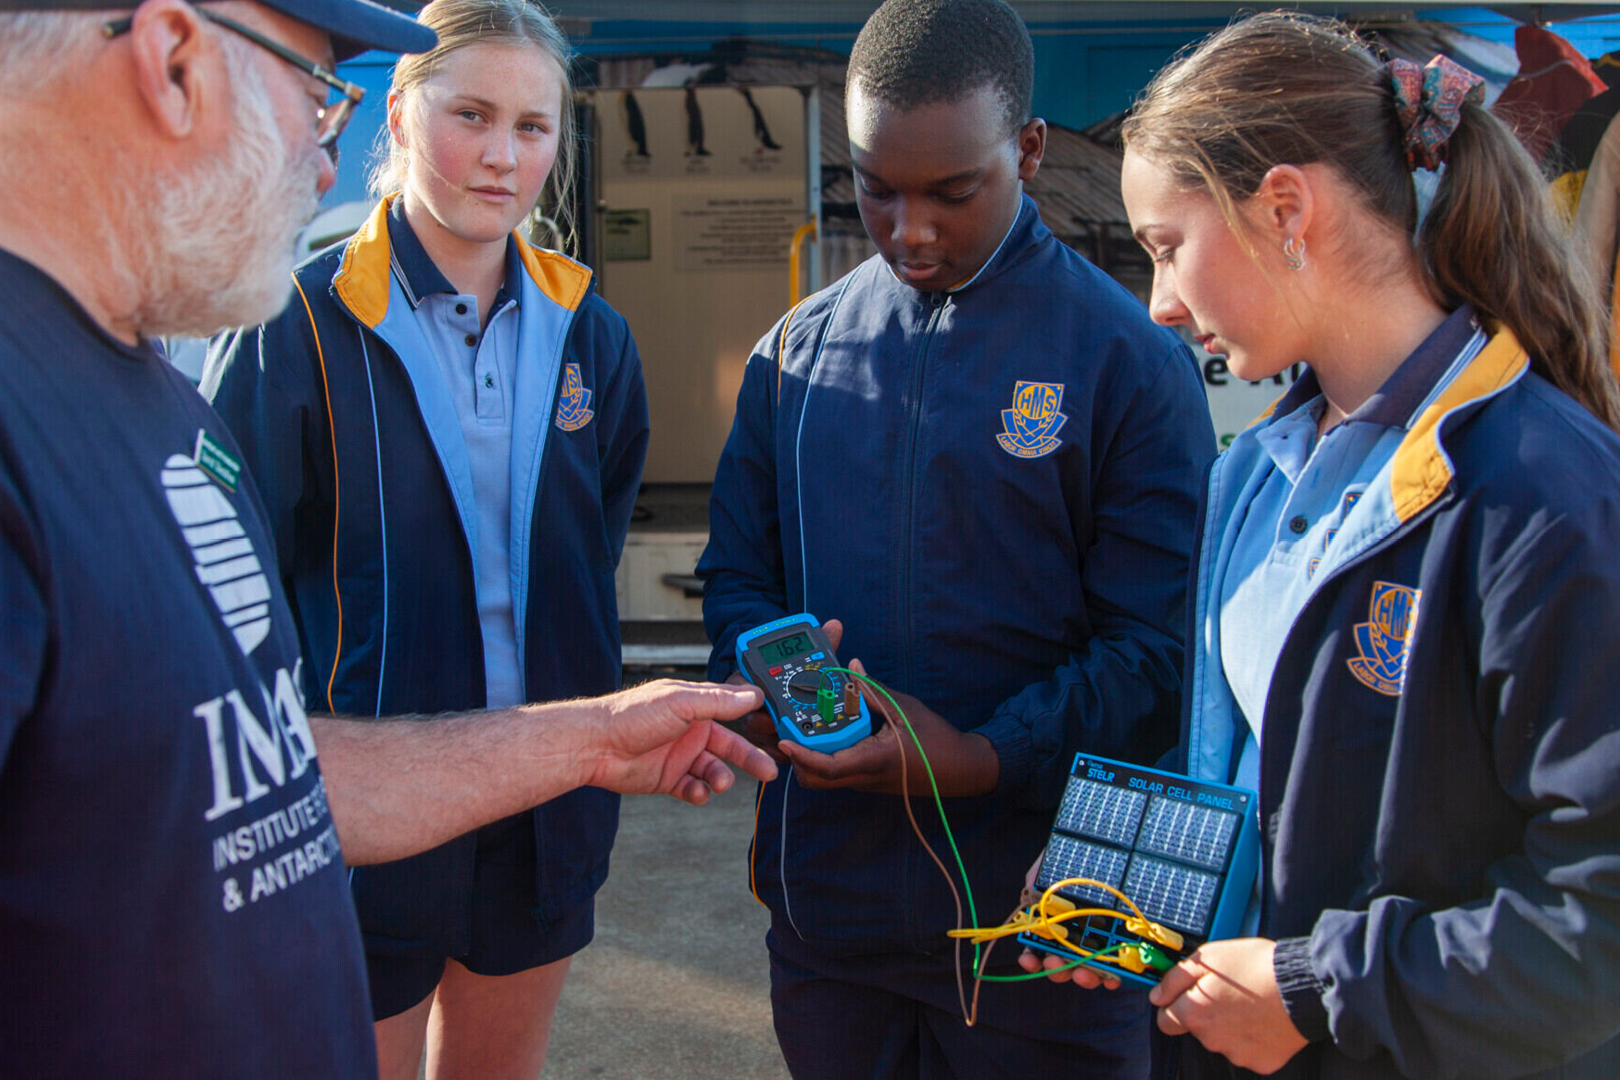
(1185, 851)
(788, 659)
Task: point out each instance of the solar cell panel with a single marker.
(1181, 830)
(1068, 858)
(1184, 851)
(1172, 894)
(1108, 813)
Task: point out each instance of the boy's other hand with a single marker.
(758, 727)
(1084, 977)
(963, 763)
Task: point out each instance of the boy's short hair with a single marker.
(918, 52)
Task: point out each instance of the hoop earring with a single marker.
(1294, 252)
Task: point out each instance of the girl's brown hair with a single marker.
(460, 23)
(1285, 88)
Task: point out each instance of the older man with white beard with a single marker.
(172, 892)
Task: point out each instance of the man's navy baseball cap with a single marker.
(355, 25)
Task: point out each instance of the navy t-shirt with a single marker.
(172, 898)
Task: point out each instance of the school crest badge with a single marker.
(1383, 639)
(574, 403)
(1030, 427)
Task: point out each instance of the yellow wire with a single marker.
(1056, 885)
(1010, 928)
(1149, 929)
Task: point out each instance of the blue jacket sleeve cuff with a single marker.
(1010, 739)
(1301, 988)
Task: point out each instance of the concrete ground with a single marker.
(675, 986)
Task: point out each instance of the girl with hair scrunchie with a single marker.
(1407, 593)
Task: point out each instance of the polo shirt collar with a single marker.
(421, 278)
(1396, 402)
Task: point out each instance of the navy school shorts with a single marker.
(506, 936)
(897, 1018)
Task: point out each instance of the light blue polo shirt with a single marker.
(480, 365)
(1284, 541)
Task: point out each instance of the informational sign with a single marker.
(699, 192)
(626, 235)
(737, 232)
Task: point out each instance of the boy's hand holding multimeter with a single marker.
(812, 705)
(810, 702)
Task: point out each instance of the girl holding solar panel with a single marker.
(1407, 596)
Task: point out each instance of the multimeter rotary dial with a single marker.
(802, 687)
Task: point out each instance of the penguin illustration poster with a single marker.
(762, 130)
(635, 125)
(694, 125)
(702, 132)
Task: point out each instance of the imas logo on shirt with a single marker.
(1030, 427)
(574, 403)
(1383, 640)
(226, 563)
(259, 751)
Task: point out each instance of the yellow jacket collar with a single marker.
(1422, 468)
(361, 281)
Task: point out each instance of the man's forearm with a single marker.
(400, 786)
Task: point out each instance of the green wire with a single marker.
(1028, 975)
(973, 916)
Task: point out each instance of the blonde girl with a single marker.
(448, 425)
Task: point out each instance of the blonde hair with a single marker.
(1284, 88)
(460, 23)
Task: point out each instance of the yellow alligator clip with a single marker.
(1130, 958)
(1153, 931)
(1058, 905)
(1051, 932)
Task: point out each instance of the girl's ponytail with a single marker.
(1493, 239)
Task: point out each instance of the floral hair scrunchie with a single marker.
(1429, 101)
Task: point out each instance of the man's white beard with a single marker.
(219, 253)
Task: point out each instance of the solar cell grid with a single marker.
(1108, 813)
(1175, 895)
(1182, 830)
(1067, 858)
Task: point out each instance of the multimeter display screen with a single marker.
(784, 649)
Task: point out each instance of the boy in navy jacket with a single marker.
(978, 453)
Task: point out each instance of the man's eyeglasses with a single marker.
(329, 122)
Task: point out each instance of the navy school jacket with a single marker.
(341, 416)
(1440, 767)
(995, 489)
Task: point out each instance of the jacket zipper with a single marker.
(521, 629)
(919, 367)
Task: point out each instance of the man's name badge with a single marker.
(216, 461)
